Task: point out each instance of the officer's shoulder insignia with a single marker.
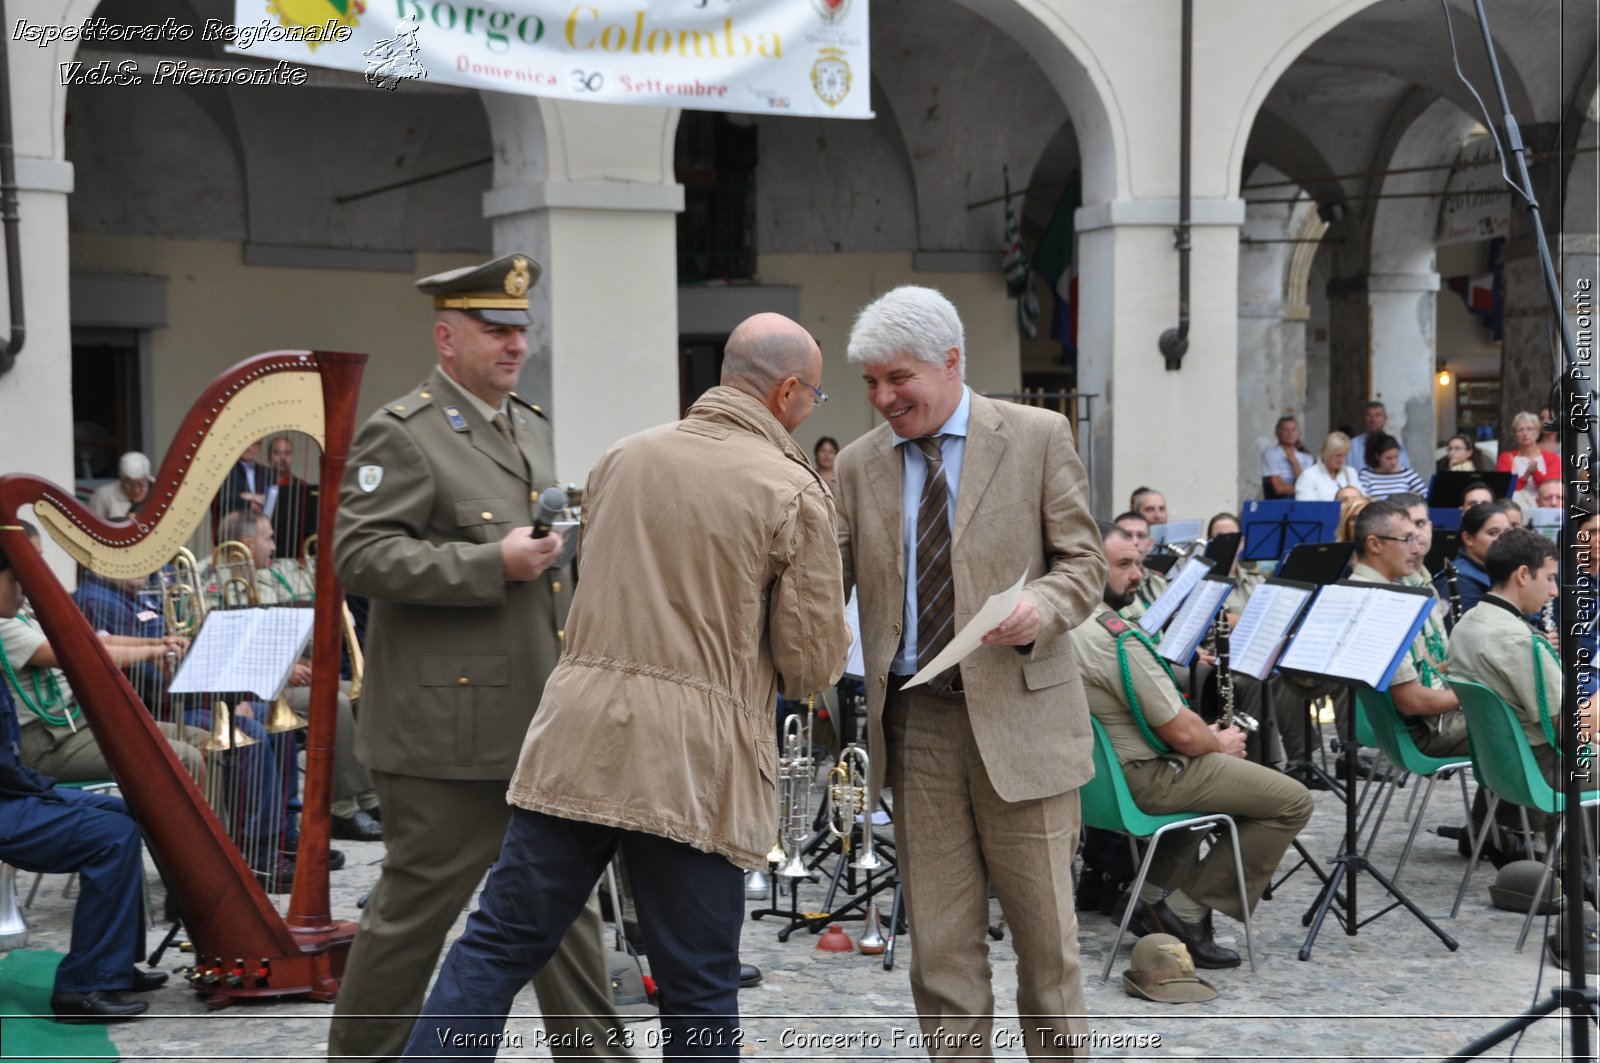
(453, 415)
(529, 405)
(368, 477)
(407, 405)
(1113, 623)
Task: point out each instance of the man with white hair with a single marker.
(948, 503)
(112, 501)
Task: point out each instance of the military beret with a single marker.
(495, 292)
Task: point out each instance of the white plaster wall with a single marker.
(833, 288)
(221, 310)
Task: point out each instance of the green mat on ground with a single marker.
(26, 979)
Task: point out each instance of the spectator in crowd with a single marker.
(1376, 420)
(1321, 482)
(292, 502)
(1385, 473)
(1464, 581)
(1526, 461)
(1462, 455)
(112, 501)
(824, 454)
(1283, 462)
(1549, 430)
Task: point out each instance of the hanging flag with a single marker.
(1484, 293)
(1014, 260)
(1056, 261)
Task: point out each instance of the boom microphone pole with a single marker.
(1577, 430)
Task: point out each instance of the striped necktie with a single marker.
(936, 592)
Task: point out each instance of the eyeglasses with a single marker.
(821, 396)
(1409, 540)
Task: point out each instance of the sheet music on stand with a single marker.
(1358, 632)
(1188, 577)
(1194, 619)
(1263, 628)
(250, 650)
(1176, 532)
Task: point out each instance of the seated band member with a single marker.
(1462, 582)
(1386, 550)
(56, 740)
(1174, 762)
(51, 830)
(1494, 644)
(286, 583)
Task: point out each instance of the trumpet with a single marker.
(797, 777)
(848, 797)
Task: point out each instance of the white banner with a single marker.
(796, 57)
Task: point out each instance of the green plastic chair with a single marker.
(1394, 739)
(1503, 761)
(1109, 805)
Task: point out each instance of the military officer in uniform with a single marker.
(466, 623)
(1174, 762)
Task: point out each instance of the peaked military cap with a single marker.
(495, 292)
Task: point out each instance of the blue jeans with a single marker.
(92, 834)
(691, 911)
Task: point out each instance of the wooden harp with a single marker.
(225, 910)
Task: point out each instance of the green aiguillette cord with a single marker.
(1133, 632)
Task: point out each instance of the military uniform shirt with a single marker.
(1494, 646)
(20, 641)
(1096, 649)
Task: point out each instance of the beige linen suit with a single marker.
(455, 660)
(985, 784)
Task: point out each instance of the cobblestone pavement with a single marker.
(1391, 992)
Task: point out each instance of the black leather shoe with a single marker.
(279, 879)
(1157, 918)
(95, 1007)
(145, 980)
(749, 975)
(357, 828)
(335, 859)
(376, 812)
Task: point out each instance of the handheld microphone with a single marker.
(552, 500)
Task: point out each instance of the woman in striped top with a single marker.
(1383, 475)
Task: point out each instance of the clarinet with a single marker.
(1452, 582)
(1228, 716)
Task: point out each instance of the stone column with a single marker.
(1404, 344)
(1175, 431)
(588, 190)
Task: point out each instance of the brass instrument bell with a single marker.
(224, 736)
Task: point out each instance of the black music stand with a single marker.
(1351, 860)
(1448, 489)
(1273, 527)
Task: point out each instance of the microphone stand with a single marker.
(1577, 428)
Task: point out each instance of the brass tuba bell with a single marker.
(283, 718)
